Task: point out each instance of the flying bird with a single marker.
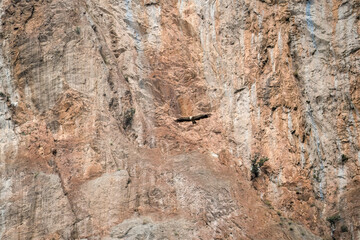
(193, 119)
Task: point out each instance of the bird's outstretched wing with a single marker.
(192, 118)
(183, 119)
(201, 116)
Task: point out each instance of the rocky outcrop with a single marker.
(89, 95)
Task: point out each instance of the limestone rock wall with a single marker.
(89, 91)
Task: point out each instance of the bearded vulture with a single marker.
(193, 119)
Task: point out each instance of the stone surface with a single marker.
(89, 91)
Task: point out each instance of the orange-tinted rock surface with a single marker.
(89, 91)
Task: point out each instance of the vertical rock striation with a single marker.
(89, 91)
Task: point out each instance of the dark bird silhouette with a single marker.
(193, 119)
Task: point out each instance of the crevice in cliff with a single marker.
(74, 231)
(123, 114)
(32, 10)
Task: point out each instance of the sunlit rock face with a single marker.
(89, 91)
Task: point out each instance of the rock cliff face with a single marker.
(90, 89)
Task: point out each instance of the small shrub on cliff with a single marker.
(296, 74)
(254, 168)
(333, 219)
(268, 203)
(256, 165)
(344, 228)
(77, 30)
(262, 161)
(344, 158)
(128, 117)
(316, 176)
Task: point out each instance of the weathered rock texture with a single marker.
(89, 148)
